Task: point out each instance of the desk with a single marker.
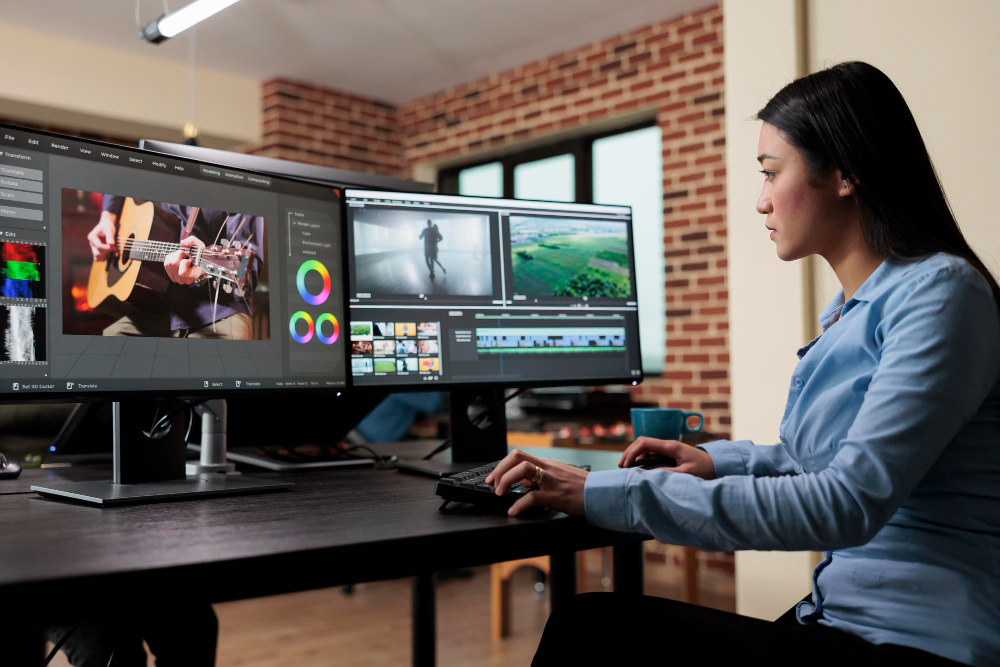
(335, 527)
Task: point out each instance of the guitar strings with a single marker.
(139, 244)
(159, 245)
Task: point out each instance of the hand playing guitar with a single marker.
(179, 266)
(102, 236)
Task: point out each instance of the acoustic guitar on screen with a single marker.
(134, 274)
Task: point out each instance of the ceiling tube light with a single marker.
(171, 25)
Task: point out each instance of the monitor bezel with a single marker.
(628, 380)
(331, 194)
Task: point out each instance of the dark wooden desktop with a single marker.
(60, 560)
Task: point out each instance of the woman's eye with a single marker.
(768, 175)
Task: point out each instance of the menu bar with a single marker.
(16, 175)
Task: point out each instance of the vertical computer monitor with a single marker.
(454, 290)
(265, 310)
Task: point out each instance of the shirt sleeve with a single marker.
(939, 361)
(743, 457)
(113, 204)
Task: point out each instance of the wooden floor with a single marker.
(372, 626)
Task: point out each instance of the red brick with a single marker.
(695, 358)
(670, 48)
(691, 56)
(690, 88)
(711, 250)
(642, 85)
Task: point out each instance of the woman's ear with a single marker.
(846, 187)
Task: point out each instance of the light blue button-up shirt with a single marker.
(889, 461)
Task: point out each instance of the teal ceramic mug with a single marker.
(664, 423)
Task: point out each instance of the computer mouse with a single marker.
(9, 469)
(654, 461)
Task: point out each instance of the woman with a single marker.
(889, 459)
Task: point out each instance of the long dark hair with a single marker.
(851, 116)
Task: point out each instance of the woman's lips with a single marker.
(772, 230)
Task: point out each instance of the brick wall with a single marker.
(319, 125)
(671, 71)
(674, 71)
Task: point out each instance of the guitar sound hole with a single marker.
(126, 252)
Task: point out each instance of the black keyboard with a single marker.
(469, 487)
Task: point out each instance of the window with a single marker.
(628, 169)
(551, 178)
(486, 180)
(620, 167)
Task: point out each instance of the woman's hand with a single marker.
(689, 459)
(561, 487)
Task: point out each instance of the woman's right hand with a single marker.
(689, 459)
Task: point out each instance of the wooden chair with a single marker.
(500, 574)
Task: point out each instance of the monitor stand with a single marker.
(471, 444)
(149, 470)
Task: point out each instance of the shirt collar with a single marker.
(868, 288)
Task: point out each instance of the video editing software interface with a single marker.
(455, 289)
(124, 270)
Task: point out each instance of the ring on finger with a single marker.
(539, 474)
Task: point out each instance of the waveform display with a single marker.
(22, 270)
(535, 340)
(23, 333)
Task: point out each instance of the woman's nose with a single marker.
(764, 202)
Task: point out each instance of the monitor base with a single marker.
(107, 494)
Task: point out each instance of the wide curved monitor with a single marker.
(126, 273)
